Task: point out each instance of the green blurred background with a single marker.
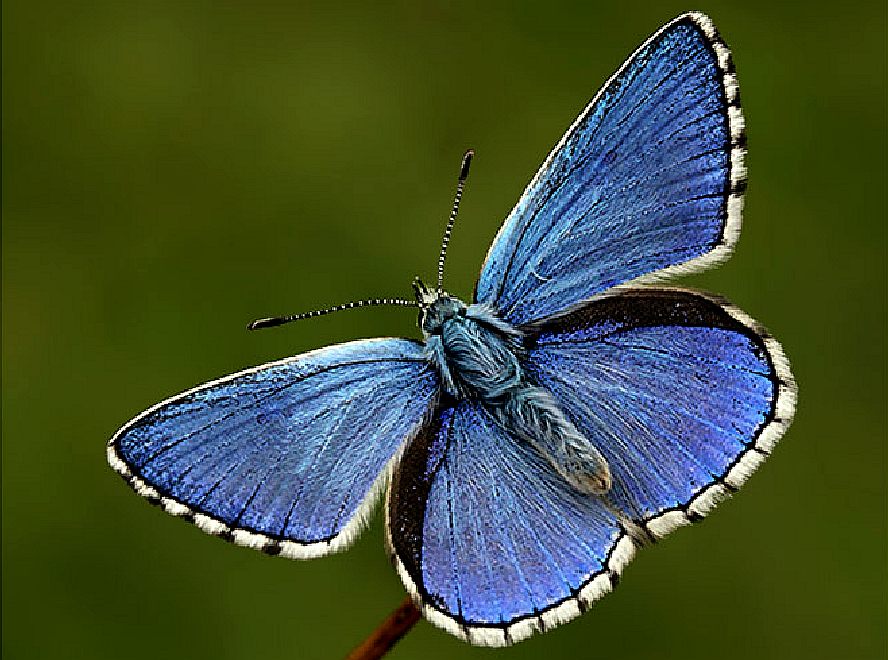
(172, 170)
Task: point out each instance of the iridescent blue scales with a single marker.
(285, 457)
(537, 437)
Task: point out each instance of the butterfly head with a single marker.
(435, 308)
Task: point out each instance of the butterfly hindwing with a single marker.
(683, 394)
(650, 178)
(285, 457)
(489, 538)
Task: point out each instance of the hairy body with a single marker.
(477, 354)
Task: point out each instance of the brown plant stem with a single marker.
(396, 625)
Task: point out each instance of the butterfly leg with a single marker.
(532, 414)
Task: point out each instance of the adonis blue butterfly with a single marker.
(571, 414)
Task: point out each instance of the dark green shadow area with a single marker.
(173, 170)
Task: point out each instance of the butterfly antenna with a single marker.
(375, 302)
(463, 175)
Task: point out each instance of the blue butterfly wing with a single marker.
(649, 179)
(493, 542)
(683, 394)
(285, 457)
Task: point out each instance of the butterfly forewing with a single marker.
(285, 456)
(649, 178)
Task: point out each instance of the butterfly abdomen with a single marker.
(532, 415)
(478, 356)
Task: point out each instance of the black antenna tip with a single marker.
(266, 323)
(466, 162)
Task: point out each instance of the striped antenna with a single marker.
(463, 175)
(375, 302)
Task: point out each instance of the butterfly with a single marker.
(572, 413)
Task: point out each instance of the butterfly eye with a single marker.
(432, 322)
